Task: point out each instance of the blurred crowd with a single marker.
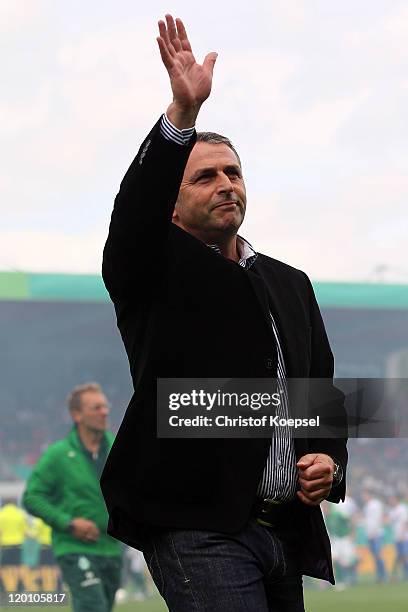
(369, 536)
(369, 532)
(378, 464)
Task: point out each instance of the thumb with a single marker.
(209, 61)
(306, 461)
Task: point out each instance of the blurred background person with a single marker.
(13, 531)
(372, 518)
(340, 522)
(137, 584)
(398, 518)
(63, 490)
(46, 560)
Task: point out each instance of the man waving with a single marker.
(224, 524)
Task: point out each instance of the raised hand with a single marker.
(190, 82)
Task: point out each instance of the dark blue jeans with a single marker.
(252, 571)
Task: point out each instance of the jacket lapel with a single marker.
(283, 314)
(288, 325)
(261, 294)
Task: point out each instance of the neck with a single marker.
(90, 439)
(226, 243)
(228, 248)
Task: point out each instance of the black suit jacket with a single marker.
(184, 311)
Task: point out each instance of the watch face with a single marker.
(336, 473)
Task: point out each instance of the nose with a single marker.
(224, 184)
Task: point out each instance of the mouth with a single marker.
(228, 204)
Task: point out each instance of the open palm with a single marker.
(190, 82)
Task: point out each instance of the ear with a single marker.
(75, 416)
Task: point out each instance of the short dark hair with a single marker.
(214, 138)
(74, 398)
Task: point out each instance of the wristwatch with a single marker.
(337, 473)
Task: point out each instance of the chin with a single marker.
(231, 226)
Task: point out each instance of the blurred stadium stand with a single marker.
(60, 330)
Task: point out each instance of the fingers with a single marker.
(309, 500)
(315, 485)
(166, 39)
(88, 537)
(209, 62)
(314, 466)
(316, 471)
(315, 478)
(93, 533)
(315, 497)
(306, 461)
(311, 458)
(315, 491)
(172, 32)
(183, 35)
(171, 27)
(175, 38)
(167, 58)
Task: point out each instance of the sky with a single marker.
(313, 93)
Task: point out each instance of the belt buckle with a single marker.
(264, 523)
(266, 506)
(269, 502)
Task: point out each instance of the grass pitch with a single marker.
(361, 598)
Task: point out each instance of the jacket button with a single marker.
(269, 363)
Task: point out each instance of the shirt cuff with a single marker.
(170, 132)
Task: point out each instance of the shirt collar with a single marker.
(246, 252)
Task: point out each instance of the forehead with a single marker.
(92, 398)
(207, 155)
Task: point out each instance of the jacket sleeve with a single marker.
(142, 215)
(40, 497)
(322, 367)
